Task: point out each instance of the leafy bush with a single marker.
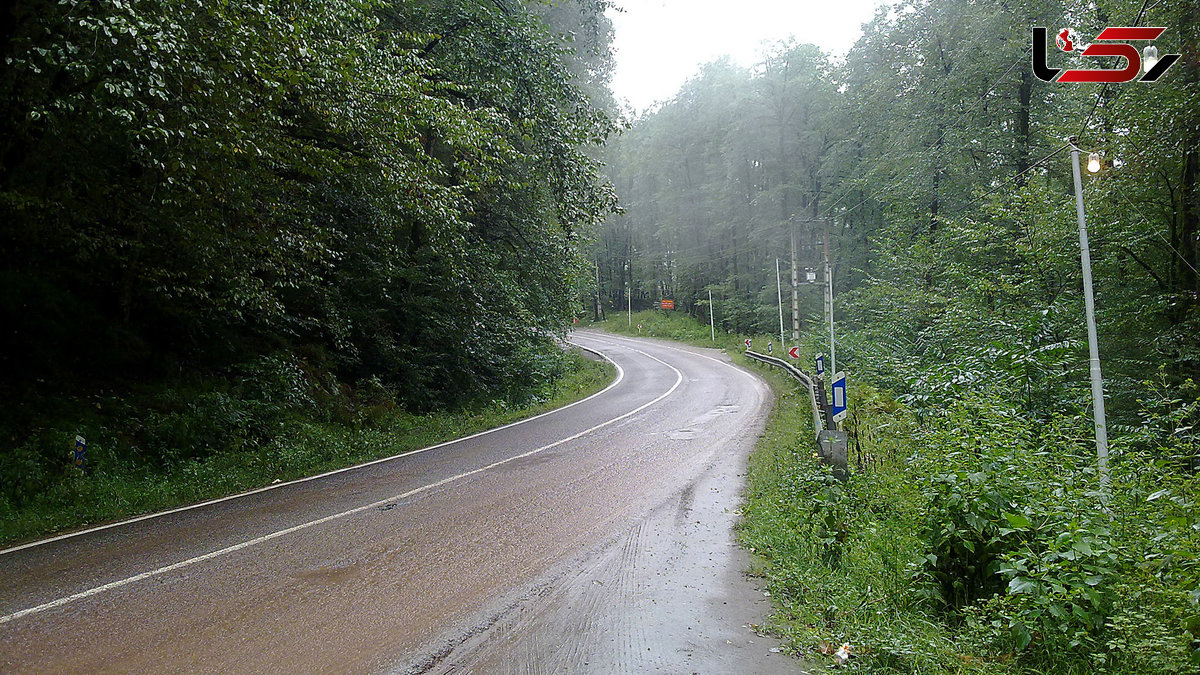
(987, 546)
(972, 492)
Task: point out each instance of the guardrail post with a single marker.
(823, 403)
(833, 448)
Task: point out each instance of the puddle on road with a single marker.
(693, 429)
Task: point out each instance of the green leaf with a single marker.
(1020, 585)
(1017, 520)
(1021, 636)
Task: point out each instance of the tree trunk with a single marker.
(1024, 97)
(1189, 214)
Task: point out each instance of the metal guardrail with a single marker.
(801, 377)
(832, 444)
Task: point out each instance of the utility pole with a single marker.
(779, 293)
(829, 281)
(795, 289)
(628, 295)
(1089, 303)
(597, 314)
(629, 303)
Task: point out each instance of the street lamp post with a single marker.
(712, 323)
(829, 283)
(1090, 310)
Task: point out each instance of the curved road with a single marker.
(595, 538)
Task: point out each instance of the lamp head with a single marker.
(1149, 57)
(1093, 164)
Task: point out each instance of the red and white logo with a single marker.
(1117, 39)
(1066, 40)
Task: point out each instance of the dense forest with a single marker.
(218, 218)
(397, 185)
(932, 160)
(933, 168)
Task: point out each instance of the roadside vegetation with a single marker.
(244, 242)
(973, 539)
(274, 419)
(975, 542)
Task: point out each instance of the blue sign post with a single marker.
(820, 364)
(839, 397)
(80, 452)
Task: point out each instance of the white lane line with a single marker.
(320, 521)
(754, 378)
(759, 384)
(159, 514)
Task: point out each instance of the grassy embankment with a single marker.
(977, 542)
(170, 445)
(972, 541)
(682, 328)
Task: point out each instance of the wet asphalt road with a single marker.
(591, 539)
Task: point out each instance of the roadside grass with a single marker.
(680, 327)
(220, 443)
(837, 557)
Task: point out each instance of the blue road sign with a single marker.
(820, 364)
(80, 452)
(839, 397)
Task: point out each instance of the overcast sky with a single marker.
(659, 44)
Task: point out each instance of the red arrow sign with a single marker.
(747, 343)
(794, 352)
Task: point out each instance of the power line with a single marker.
(1012, 179)
(746, 245)
(1152, 228)
(829, 209)
(1087, 120)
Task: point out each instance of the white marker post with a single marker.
(712, 323)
